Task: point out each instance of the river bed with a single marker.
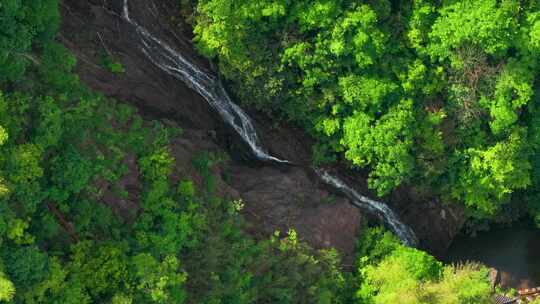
(514, 252)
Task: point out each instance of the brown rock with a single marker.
(276, 198)
(283, 198)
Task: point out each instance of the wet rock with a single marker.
(435, 223)
(275, 197)
(90, 32)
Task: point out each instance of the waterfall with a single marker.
(404, 232)
(211, 89)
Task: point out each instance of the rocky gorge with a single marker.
(276, 197)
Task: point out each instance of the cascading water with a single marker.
(211, 89)
(404, 232)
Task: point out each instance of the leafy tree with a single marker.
(25, 265)
(460, 284)
(348, 72)
(493, 174)
(23, 23)
(386, 145)
(485, 23)
(98, 268)
(161, 282)
(438, 94)
(7, 289)
(391, 273)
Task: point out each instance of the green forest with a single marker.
(437, 95)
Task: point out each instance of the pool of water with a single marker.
(515, 252)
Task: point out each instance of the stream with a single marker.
(210, 88)
(514, 252)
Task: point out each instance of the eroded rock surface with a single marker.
(275, 197)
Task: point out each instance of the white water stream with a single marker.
(404, 232)
(211, 89)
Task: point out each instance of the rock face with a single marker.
(275, 197)
(291, 198)
(435, 223)
(93, 32)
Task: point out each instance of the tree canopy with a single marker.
(418, 92)
(436, 95)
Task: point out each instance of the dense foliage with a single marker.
(392, 273)
(65, 152)
(442, 95)
(64, 149)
